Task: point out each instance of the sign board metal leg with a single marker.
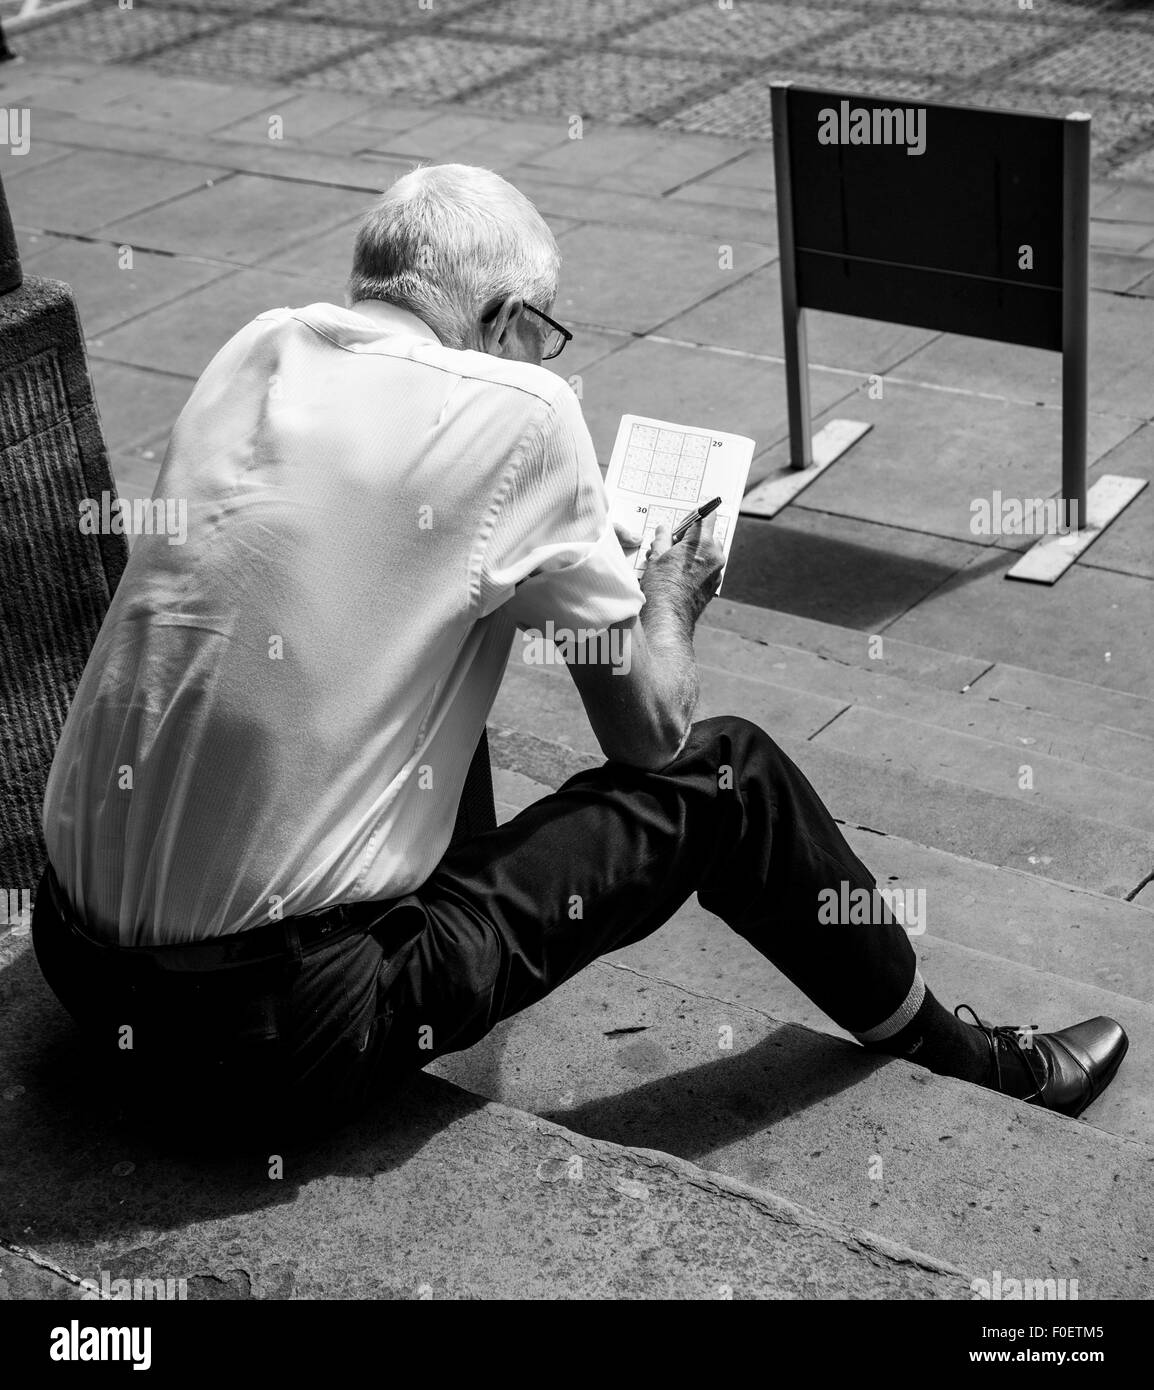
(1075, 315)
(792, 315)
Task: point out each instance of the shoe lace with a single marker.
(1016, 1036)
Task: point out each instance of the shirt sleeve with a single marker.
(552, 553)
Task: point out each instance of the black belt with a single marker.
(288, 939)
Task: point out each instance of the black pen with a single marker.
(693, 518)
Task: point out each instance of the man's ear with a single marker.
(498, 322)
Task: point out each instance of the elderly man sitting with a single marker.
(252, 901)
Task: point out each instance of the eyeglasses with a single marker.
(556, 338)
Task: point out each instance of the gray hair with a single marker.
(446, 240)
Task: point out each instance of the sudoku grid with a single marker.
(666, 463)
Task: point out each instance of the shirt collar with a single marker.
(393, 319)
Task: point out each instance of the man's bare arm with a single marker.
(641, 715)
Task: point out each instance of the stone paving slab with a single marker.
(465, 137)
(626, 209)
(1126, 545)
(136, 403)
(635, 161)
(1126, 201)
(841, 570)
(1115, 272)
(933, 454)
(1115, 709)
(1021, 917)
(1095, 626)
(1091, 792)
(967, 785)
(751, 170)
(589, 346)
(1121, 362)
(638, 278)
(108, 291)
(712, 390)
(208, 317)
(1068, 750)
(747, 316)
(87, 191)
(727, 196)
(297, 117)
(240, 219)
(381, 122)
(1090, 745)
(135, 470)
(895, 800)
(178, 104)
(624, 1055)
(1131, 237)
(38, 153)
(356, 1216)
(323, 260)
(939, 669)
(292, 163)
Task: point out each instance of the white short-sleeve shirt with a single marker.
(278, 713)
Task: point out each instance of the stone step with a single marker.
(542, 731)
(695, 950)
(1056, 695)
(927, 665)
(974, 1178)
(545, 700)
(520, 1207)
(965, 738)
(1082, 936)
(1035, 969)
(999, 721)
(1090, 792)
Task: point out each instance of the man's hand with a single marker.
(687, 573)
(643, 717)
(629, 538)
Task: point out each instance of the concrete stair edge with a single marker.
(550, 762)
(1125, 926)
(734, 1239)
(1053, 1188)
(756, 624)
(981, 710)
(832, 1031)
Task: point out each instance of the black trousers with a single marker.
(305, 1029)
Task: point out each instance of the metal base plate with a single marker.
(1052, 556)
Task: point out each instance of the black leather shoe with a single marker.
(1069, 1069)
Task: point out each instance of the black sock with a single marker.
(934, 1038)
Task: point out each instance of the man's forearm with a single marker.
(669, 618)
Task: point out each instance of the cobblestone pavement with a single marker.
(701, 65)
